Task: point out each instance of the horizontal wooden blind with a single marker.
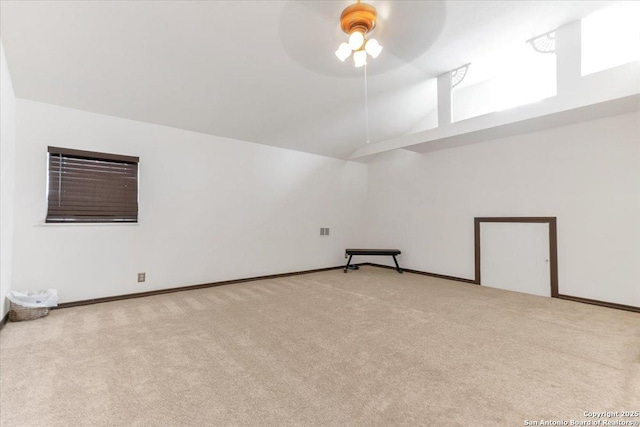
(92, 187)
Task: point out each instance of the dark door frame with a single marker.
(553, 244)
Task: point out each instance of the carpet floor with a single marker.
(371, 347)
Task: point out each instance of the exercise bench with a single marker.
(388, 252)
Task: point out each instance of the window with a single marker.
(516, 75)
(611, 37)
(91, 187)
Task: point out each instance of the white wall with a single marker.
(214, 209)
(211, 208)
(7, 168)
(585, 174)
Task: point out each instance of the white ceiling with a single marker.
(260, 71)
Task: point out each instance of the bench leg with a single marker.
(346, 267)
(397, 266)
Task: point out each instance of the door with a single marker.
(515, 256)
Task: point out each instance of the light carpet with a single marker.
(371, 347)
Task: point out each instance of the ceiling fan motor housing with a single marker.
(358, 17)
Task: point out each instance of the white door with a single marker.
(515, 256)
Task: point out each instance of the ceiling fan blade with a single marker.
(310, 33)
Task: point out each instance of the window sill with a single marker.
(88, 224)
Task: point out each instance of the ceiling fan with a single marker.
(310, 30)
(358, 20)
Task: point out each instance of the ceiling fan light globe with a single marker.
(360, 58)
(356, 39)
(373, 48)
(343, 52)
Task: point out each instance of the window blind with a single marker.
(91, 187)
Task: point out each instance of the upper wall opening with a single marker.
(514, 76)
(611, 37)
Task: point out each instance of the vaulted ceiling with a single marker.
(260, 71)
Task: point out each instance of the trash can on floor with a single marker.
(31, 305)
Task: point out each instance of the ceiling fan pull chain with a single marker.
(366, 104)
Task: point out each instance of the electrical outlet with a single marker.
(142, 277)
(324, 231)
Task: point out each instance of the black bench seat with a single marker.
(377, 252)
